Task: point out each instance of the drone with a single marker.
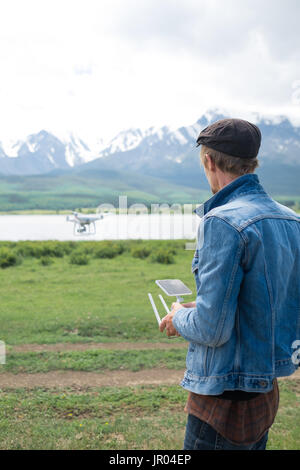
(84, 224)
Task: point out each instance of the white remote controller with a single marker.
(156, 311)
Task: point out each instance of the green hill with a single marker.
(69, 190)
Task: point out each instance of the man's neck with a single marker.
(223, 179)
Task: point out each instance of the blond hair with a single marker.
(234, 165)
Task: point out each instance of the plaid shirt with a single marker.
(238, 421)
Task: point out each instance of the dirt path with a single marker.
(119, 378)
(62, 379)
(77, 379)
(173, 343)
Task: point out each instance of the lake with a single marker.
(112, 227)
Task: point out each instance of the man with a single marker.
(245, 322)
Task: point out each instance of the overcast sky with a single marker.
(97, 67)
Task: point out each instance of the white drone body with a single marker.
(84, 224)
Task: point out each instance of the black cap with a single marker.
(234, 137)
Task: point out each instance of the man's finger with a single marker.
(162, 324)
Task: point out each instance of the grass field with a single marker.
(140, 417)
(105, 300)
(59, 318)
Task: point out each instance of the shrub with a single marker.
(9, 258)
(109, 250)
(162, 256)
(27, 249)
(87, 247)
(68, 246)
(170, 249)
(77, 257)
(46, 261)
(170, 246)
(52, 249)
(37, 249)
(140, 252)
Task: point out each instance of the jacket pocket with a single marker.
(197, 359)
(209, 357)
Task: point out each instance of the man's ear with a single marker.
(210, 164)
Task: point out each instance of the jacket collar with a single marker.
(245, 184)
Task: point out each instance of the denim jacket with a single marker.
(246, 323)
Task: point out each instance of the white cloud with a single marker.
(96, 67)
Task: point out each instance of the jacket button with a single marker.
(263, 383)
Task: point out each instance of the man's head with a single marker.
(229, 150)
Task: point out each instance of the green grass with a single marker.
(94, 360)
(285, 432)
(106, 418)
(103, 301)
(142, 417)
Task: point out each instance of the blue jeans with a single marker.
(201, 436)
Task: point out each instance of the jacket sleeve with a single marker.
(220, 274)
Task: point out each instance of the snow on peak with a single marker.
(126, 140)
(11, 147)
(179, 137)
(76, 150)
(193, 131)
(32, 146)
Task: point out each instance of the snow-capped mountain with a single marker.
(280, 137)
(172, 155)
(43, 152)
(161, 152)
(162, 148)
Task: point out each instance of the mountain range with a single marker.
(166, 155)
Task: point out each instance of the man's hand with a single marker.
(167, 323)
